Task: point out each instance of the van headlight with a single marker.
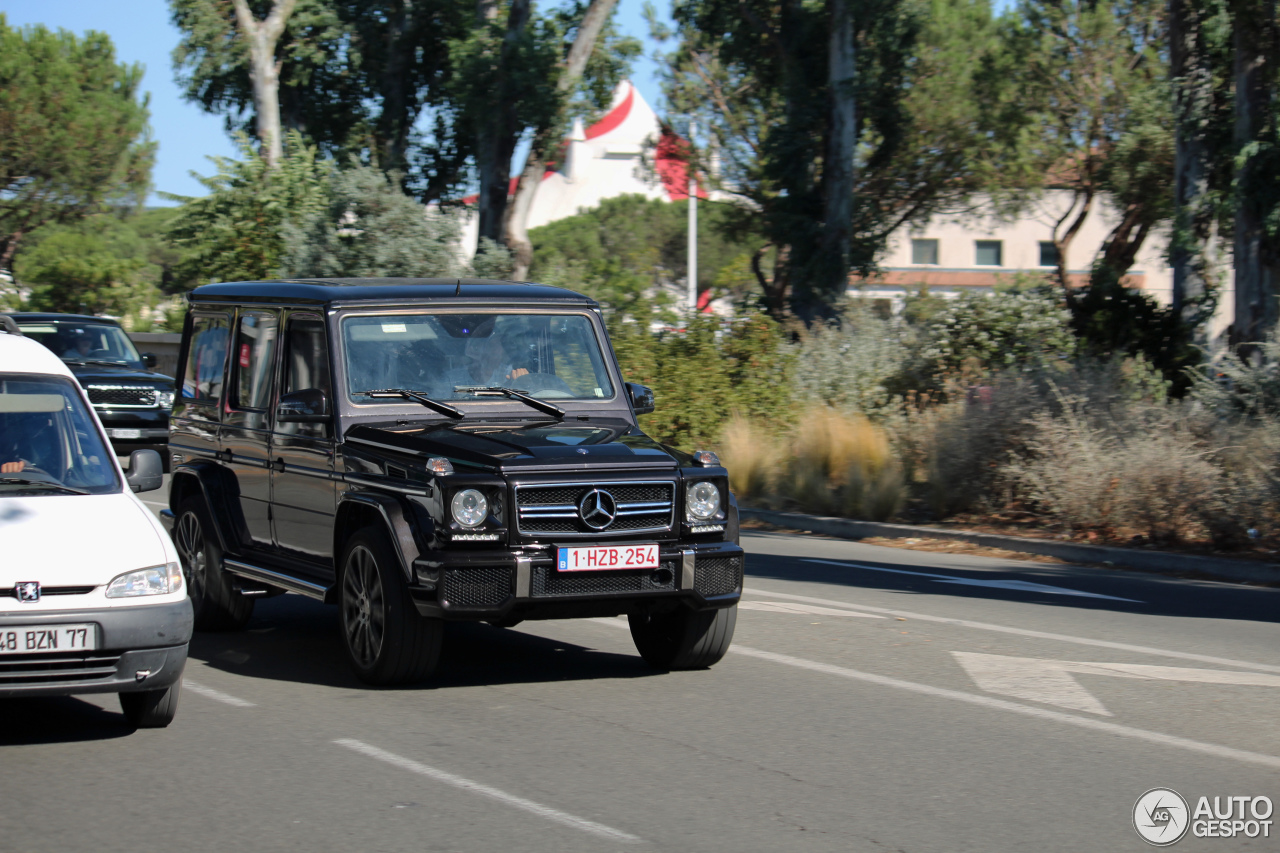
(157, 580)
(470, 508)
(702, 501)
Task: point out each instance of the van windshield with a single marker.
(550, 356)
(49, 442)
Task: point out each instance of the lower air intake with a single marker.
(717, 576)
(545, 581)
(486, 586)
(52, 669)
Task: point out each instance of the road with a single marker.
(874, 700)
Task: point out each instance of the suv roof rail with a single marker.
(7, 324)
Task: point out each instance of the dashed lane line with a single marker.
(555, 815)
(216, 695)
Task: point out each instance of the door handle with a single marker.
(222, 455)
(278, 465)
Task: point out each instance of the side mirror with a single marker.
(146, 471)
(308, 406)
(149, 360)
(641, 398)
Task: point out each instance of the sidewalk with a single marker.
(1147, 561)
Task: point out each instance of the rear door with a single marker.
(193, 427)
(246, 421)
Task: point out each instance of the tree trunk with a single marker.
(1062, 239)
(1122, 245)
(1193, 100)
(394, 120)
(264, 71)
(498, 136)
(1255, 308)
(842, 136)
(517, 225)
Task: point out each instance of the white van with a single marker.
(92, 596)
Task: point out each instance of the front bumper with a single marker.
(142, 647)
(498, 586)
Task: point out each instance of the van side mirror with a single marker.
(641, 398)
(308, 406)
(149, 360)
(146, 471)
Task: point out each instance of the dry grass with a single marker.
(752, 456)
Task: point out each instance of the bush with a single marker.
(859, 364)
(753, 458)
(842, 465)
(977, 334)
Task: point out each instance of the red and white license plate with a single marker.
(599, 558)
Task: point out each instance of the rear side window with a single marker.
(255, 358)
(202, 379)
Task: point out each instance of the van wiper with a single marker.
(417, 397)
(48, 484)
(499, 391)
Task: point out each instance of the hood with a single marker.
(75, 540)
(569, 446)
(90, 373)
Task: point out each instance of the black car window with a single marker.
(84, 340)
(306, 367)
(206, 359)
(255, 358)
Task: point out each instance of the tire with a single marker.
(151, 709)
(218, 606)
(387, 640)
(683, 639)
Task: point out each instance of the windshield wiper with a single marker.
(499, 391)
(27, 481)
(404, 394)
(80, 363)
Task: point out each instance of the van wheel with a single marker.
(683, 638)
(151, 709)
(387, 640)
(216, 603)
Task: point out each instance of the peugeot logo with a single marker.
(30, 590)
(598, 509)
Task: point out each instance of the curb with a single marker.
(1148, 561)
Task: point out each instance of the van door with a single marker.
(304, 493)
(246, 429)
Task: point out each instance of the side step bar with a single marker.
(311, 590)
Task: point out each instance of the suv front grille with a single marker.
(45, 669)
(545, 581)
(554, 508)
(717, 576)
(485, 586)
(123, 396)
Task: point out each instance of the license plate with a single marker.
(600, 558)
(48, 638)
(124, 433)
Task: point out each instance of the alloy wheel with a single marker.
(363, 616)
(189, 539)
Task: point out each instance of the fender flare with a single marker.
(200, 473)
(395, 518)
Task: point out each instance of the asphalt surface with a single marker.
(874, 700)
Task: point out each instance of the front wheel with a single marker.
(217, 605)
(151, 709)
(683, 638)
(387, 640)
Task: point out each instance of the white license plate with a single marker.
(602, 558)
(124, 433)
(30, 639)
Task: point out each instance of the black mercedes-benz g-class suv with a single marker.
(422, 450)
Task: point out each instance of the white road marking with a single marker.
(538, 809)
(1050, 682)
(806, 609)
(216, 695)
(1022, 632)
(1021, 586)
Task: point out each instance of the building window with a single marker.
(988, 253)
(924, 252)
(1048, 254)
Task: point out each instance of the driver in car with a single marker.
(81, 346)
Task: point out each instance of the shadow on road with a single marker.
(58, 719)
(292, 638)
(1150, 594)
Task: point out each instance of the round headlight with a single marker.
(703, 501)
(469, 508)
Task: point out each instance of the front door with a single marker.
(304, 494)
(246, 430)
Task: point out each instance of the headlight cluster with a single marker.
(158, 580)
(702, 501)
(470, 508)
(165, 398)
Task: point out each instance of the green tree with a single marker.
(73, 131)
(95, 266)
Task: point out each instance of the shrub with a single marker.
(842, 465)
(977, 334)
(858, 364)
(753, 458)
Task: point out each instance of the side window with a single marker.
(206, 359)
(306, 368)
(255, 359)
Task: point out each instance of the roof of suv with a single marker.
(326, 291)
(19, 354)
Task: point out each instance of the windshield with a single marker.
(77, 340)
(49, 440)
(549, 356)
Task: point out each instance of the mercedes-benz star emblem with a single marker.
(30, 590)
(598, 509)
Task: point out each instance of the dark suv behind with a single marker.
(131, 399)
(417, 451)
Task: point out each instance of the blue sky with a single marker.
(187, 135)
